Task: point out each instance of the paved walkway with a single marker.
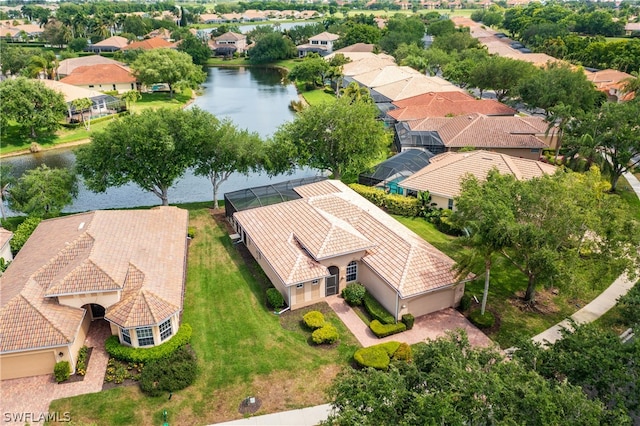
(34, 394)
(425, 327)
(304, 417)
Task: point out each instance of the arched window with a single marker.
(352, 271)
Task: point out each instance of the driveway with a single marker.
(425, 327)
(30, 396)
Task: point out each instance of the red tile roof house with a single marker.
(443, 175)
(149, 44)
(312, 247)
(523, 137)
(102, 77)
(126, 266)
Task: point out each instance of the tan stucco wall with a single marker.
(309, 294)
(434, 301)
(79, 342)
(341, 263)
(440, 201)
(105, 299)
(269, 272)
(378, 288)
(107, 87)
(5, 252)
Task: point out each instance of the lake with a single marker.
(254, 98)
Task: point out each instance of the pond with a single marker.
(254, 98)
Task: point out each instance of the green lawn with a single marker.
(624, 190)
(242, 347)
(317, 96)
(516, 323)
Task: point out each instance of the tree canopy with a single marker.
(196, 48)
(312, 69)
(271, 47)
(152, 149)
(36, 108)
(167, 66)
(43, 191)
(340, 137)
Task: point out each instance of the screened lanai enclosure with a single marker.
(426, 140)
(259, 196)
(390, 172)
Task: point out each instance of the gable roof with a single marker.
(357, 47)
(385, 75)
(71, 92)
(115, 41)
(229, 35)
(334, 220)
(415, 85)
(483, 131)
(325, 36)
(604, 79)
(149, 44)
(140, 253)
(442, 177)
(99, 74)
(443, 104)
(67, 66)
(369, 62)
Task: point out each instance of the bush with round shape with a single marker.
(354, 293)
(145, 355)
(325, 334)
(408, 320)
(482, 321)
(174, 373)
(313, 320)
(275, 299)
(376, 356)
(465, 302)
(62, 371)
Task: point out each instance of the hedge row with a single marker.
(145, 355)
(384, 330)
(376, 310)
(377, 356)
(392, 203)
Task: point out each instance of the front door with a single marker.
(331, 286)
(97, 311)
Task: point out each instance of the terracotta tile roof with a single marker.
(443, 175)
(99, 74)
(341, 222)
(139, 252)
(116, 41)
(414, 86)
(604, 79)
(5, 236)
(385, 75)
(149, 44)
(367, 62)
(483, 131)
(445, 104)
(67, 66)
(231, 36)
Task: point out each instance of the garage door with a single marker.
(431, 302)
(29, 364)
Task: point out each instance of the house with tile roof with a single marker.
(5, 247)
(101, 103)
(67, 66)
(517, 136)
(111, 44)
(103, 77)
(414, 85)
(312, 247)
(229, 43)
(150, 44)
(124, 266)
(322, 44)
(610, 82)
(443, 175)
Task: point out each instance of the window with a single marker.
(535, 149)
(450, 204)
(165, 330)
(114, 87)
(300, 286)
(145, 336)
(352, 271)
(91, 86)
(314, 41)
(314, 282)
(323, 43)
(126, 337)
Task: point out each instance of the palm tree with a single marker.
(82, 105)
(356, 92)
(631, 84)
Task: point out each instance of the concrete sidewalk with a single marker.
(304, 417)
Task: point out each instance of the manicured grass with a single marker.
(241, 345)
(162, 100)
(625, 191)
(591, 278)
(318, 96)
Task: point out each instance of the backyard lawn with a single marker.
(242, 347)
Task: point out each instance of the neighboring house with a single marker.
(322, 44)
(524, 137)
(101, 104)
(126, 266)
(410, 87)
(67, 66)
(363, 63)
(312, 247)
(253, 15)
(388, 174)
(610, 82)
(385, 75)
(162, 33)
(445, 104)
(102, 77)
(150, 44)
(631, 28)
(110, 44)
(229, 43)
(210, 18)
(21, 32)
(5, 247)
(442, 177)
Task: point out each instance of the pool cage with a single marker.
(394, 170)
(259, 196)
(426, 140)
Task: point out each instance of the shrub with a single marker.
(177, 372)
(408, 320)
(145, 355)
(403, 353)
(442, 220)
(62, 371)
(81, 364)
(465, 302)
(313, 320)
(376, 310)
(274, 298)
(329, 90)
(326, 334)
(23, 232)
(376, 356)
(482, 321)
(354, 294)
(191, 232)
(392, 203)
(630, 306)
(384, 330)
